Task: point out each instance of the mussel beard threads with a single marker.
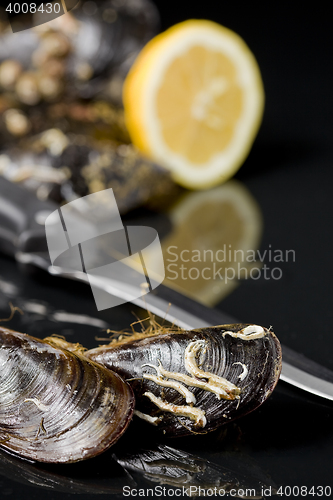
(230, 370)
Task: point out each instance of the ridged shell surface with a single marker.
(249, 362)
(56, 406)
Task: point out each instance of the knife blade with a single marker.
(22, 235)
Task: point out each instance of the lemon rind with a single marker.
(143, 82)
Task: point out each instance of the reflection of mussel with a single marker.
(70, 479)
(195, 476)
(165, 465)
(194, 381)
(128, 466)
(56, 406)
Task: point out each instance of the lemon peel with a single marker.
(194, 102)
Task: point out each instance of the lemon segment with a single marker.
(194, 101)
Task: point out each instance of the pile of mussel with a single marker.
(62, 134)
(85, 53)
(62, 128)
(61, 167)
(60, 403)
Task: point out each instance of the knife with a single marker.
(22, 236)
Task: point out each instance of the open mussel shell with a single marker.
(56, 406)
(194, 381)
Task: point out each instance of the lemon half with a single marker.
(194, 101)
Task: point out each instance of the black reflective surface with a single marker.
(289, 441)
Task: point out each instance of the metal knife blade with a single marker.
(23, 237)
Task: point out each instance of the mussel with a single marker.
(60, 167)
(194, 381)
(84, 53)
(57, 406)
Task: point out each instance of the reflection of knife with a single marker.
(22, 235)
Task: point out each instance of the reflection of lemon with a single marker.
(212, 230)
(194, 101)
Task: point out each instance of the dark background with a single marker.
(289, 173)
(289, 170)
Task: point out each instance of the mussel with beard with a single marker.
(194, 381)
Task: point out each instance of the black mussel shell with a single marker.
(59, 167)
(194, 381)
(56, 406)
